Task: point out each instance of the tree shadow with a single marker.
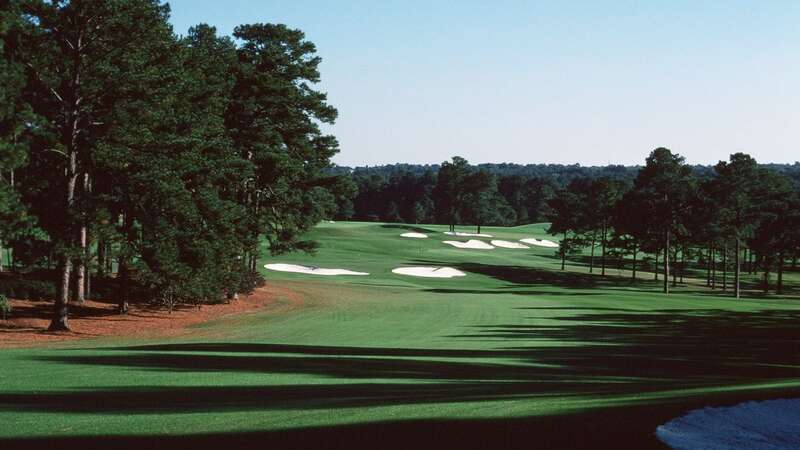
(684, 358)
(596, 353)
(409, 227)
(515, 291)
(44, 310)
(534, 276)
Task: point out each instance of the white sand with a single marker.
(460, 234)
(771, 424)
(415, 235)
(429, 272)
(507, 244)
(472, 244)
(311, 270)
(540, 242)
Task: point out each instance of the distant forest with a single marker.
(405, 192)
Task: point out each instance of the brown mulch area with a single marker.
(27, 324)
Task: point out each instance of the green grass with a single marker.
(515, 352)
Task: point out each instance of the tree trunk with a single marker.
(60, 313)
(666, 262)
(634, 260)
(780, 274)
(123, 268)
(109, 260)
(708, 267)
(88, 287)
(80, 280)
(124, 285)
(71, 107)
(591, 257)
(714, 269)
(101, 258)
(254, 262)
(745, 256)
(59, 320)
(675, 267)
(725, 268)
(683, 263)
(564, 251)
(737, 270)
(655, 265)
(603, 253)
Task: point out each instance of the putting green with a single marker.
(514, 341)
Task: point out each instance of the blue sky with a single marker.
(589, 82)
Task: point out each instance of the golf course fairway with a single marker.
(514, 353)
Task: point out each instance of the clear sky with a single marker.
(590, 82)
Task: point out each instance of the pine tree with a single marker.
(566, 220)
(734, 193)
(774, 237)
(450, 192)
(273, 120)
(483, 203)
(665, 185)
(82, 56)
(15, 113)
(604, 194)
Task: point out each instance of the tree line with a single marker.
(406, 192)
(164, 158)
(666, 214)
(741, 213)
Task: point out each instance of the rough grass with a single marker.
(517, 353)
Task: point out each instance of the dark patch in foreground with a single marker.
(613, 428)
(609, 352)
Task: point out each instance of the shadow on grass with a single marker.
(526, 292)
(409, 227)
(597, 353)
(535, 276)
(602, 353)
(630, 426)
(529, 276)
(752, 285)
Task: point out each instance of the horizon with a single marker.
(761, 163)
(600, 82)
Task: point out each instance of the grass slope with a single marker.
(517, 353)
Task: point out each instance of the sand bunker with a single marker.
(507, 244)
(772, 424)
(540, 242)
(458, 233)
(415, 235)
(473, 244)
(429, 272)
(311, 270)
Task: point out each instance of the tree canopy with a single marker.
(178, 153)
